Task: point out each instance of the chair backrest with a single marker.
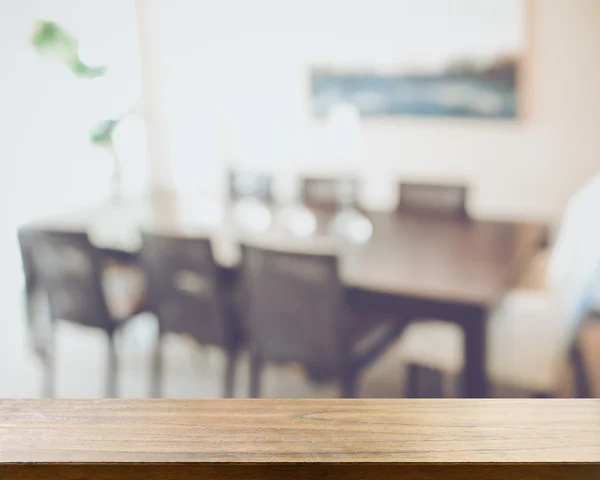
(247, 184)
(184, 289)
(448, 200)
(329, 193)
(68, 269)
(293, 309)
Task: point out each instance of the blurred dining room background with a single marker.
(377, 198)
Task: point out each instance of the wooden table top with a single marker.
(303, 431)
(456, 260)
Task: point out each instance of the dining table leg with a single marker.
(475, 381)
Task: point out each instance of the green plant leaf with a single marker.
(102, 132)
(82, 70)
(52, 41)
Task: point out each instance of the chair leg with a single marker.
(157, 369)
(348, 384)
(39, 325)
(112, 367)
(423, 382)
(229, 376)
(411, 381)
(432, 382)
(49, 361)
(32, 332)
(540, 395)
(256, 365)
(582, 385)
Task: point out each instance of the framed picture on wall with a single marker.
(454, 58)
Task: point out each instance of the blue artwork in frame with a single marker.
(487, 93)
(469, 67)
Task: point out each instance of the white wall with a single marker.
(46, 114)
(231, 79)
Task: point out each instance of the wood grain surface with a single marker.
(323, 430)
(276, 438)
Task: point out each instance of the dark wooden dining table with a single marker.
(414, 266)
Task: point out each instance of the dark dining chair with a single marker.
(190, 295)
(295, 311)
(448, 200)
(75, 278)
(329, 193)
(250, 184)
